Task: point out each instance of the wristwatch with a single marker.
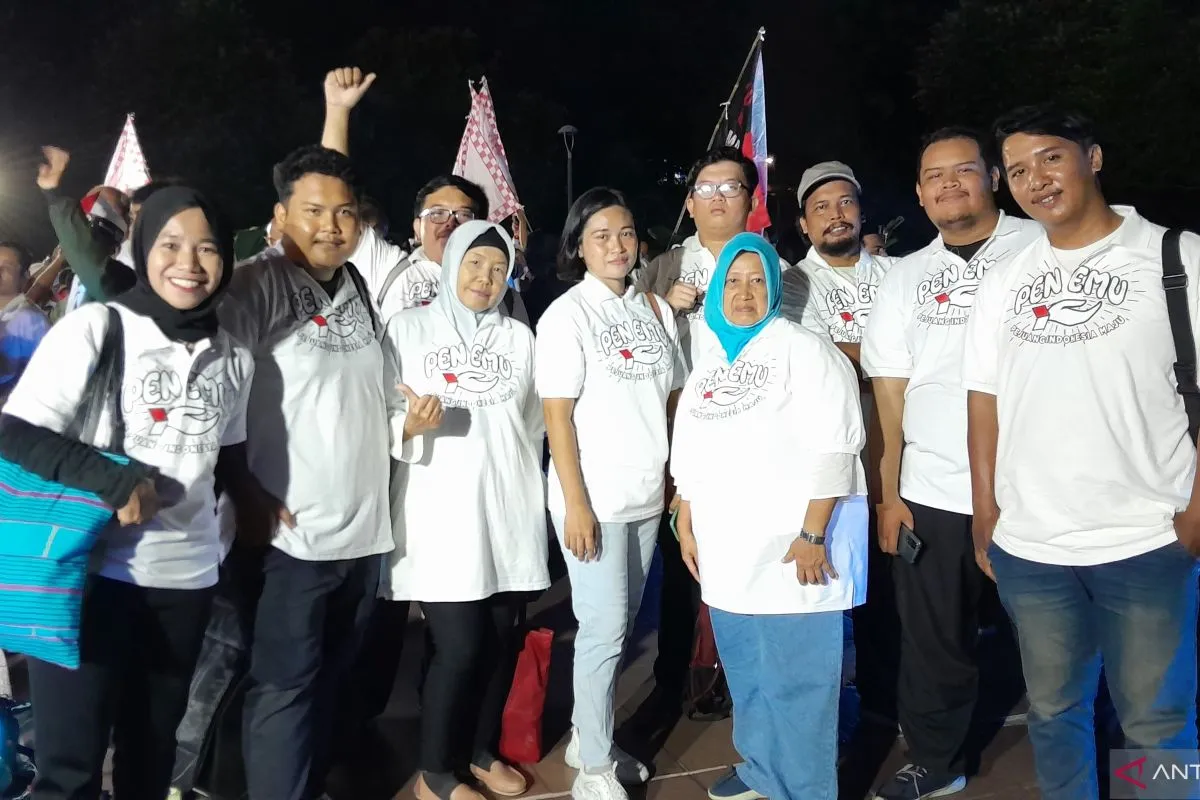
(812, 538)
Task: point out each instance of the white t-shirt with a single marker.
(179, 409)
(697, 269)
(376, 258)
(755, 441)
(610, 354)
(833, 301)
(420, 283)
(320, 407)
(468, 512)
(916, 331)
(417, 285)
(1094, 458)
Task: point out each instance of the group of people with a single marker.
(359, 428)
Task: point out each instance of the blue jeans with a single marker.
(785, 678)
(1137, 619)
(605, 596)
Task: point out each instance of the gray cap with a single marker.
(824, 172)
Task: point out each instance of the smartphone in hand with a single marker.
(909, 547)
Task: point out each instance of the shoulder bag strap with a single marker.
(1175, 283)
(658, 314)
(360, 286)
(104, 389)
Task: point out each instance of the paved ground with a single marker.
(692, 755)
(687, 757)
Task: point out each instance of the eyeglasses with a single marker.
(728, 189)
(439, 215)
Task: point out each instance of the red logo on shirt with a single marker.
(320, 320)
(724, 392)
(475, 376)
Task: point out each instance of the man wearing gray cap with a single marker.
(831, 293)
(834, 288)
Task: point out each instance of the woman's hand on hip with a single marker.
(582, 534)
(812, 563)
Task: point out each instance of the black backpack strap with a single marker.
(1175, 283)
(360, 286)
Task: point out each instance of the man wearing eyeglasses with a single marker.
(398, 281)
(720, 200)
(441, 206)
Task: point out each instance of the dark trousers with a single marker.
(938, 601)
(679, 604)
(877, 634)
(374, 673)
(310, 619)
(222, 663)
(138, 649)
(474, 656)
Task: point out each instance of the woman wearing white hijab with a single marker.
(468, 508)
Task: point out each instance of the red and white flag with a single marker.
(127, 170)
(481, 157)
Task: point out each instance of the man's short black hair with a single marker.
(720, 154)
(951, 132)
(473, 191)
(24, 257)
(1045, 120)
(312, 159)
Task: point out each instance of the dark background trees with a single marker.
(223, 88)
(1132, 65)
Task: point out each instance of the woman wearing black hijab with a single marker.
(182, 398)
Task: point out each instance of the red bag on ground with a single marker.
(704, 646)
(521, 728)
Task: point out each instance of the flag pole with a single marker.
(758, 40)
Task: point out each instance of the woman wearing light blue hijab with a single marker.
(773, 522)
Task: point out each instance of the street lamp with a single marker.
(568, 133)
(770, 161)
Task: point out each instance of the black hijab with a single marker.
(196, 323)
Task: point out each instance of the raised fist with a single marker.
(50, 173)
(345, 86)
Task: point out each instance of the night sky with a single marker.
(641, 80)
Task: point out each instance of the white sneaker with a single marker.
(602, 786)
(629, 770)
